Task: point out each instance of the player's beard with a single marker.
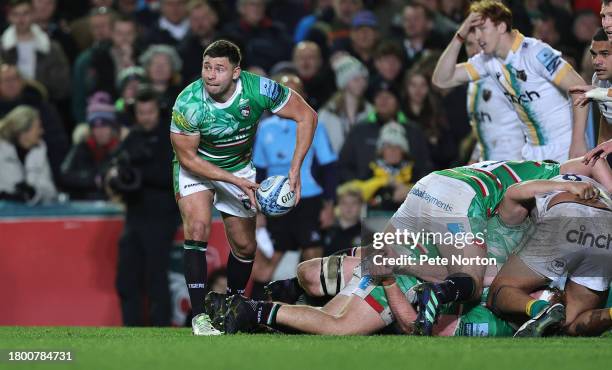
(223, 94)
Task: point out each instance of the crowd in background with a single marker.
(87, 88)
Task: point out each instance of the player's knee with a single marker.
(308, 273)
(196, 229)
(244, 246)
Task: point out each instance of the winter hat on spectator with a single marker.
(346, 68)
(392, 134)
(100, 109)
(129, 74)
(364, 18)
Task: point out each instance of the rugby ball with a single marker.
(274, 196)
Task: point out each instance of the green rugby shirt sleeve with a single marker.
(273, 94)
(181, 125)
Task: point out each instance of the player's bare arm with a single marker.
(306, 119)
(597, 170)
(448, 73)
(513, 208)
(186, 148)
(580, 113)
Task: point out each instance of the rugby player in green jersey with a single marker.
(213, 127)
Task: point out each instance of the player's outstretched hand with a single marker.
(579, 94)
(295, 184)
(600, 151)
(583, 190)
(249, 189)
(472, 20)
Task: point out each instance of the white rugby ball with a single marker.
(274, 196)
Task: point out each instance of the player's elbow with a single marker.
(442, 83)
(314, 117)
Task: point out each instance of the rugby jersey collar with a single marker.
(516, 44)
(229, 101)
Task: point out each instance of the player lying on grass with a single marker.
(362, 307)
(472, 191)
(573, 218)
(453, 288)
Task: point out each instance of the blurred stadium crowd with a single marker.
(99, 79)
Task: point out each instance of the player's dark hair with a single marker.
(224, 48)
(600, 35)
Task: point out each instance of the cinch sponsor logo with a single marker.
(481, 117)
(526, 97)
(192, 185)
(431, 199)
(584, 238)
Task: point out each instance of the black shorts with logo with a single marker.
(298, 229)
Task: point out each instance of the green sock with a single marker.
(534, 307)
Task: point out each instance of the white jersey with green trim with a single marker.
(494, 121)
(605, 107)
(529, 77)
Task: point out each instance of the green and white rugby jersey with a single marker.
(490, 179)
(227, 130)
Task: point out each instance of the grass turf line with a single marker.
(169, 348)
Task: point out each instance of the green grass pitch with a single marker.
(177, 349)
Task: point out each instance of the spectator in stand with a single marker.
(203, 20)
(14, 91)
(83, 169)
(419, 34)
(143, 177)
(359, 149)
(390, 174)
(322, 11)
(340, 25)
(56, 27)
(143, 16)
(91, 28)
(263, 42)
(101, 23)
(453, 11)
(584, 27)
(38, 57)
(348, 105)
(346, 232)
(545, 29)
(108, 59)
(362, 39)
(129, 83)
(423, 108)
(388, 63)
(26, 175)
(163, 65)
(315, 73)
(171, 26)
